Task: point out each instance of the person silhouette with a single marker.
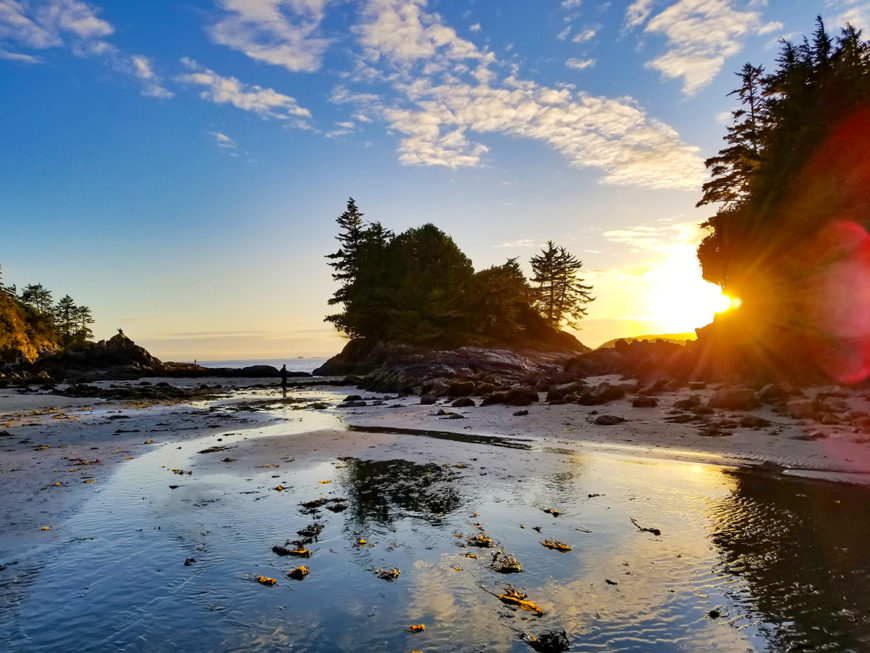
(284, 380)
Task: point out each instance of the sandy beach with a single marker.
(57, 449)
(121, 499)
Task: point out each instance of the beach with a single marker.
(129, 492)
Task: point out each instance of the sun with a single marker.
(679, 299)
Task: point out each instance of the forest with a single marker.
(793, 171)
(32, 322)
(418, 288)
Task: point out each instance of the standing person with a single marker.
(284, 380)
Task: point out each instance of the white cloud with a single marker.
(265, 102)
(143, 70)
(279, 32)
(700, 34)
(659, 237)
(19, 57)
(474, 28)
(402, 32)
(585, 35)
(45, 24)
(224, 141)
(570, 4)
(440, 107)
(522, 243)
(638, 12)
(770, 27)
(579, 64)
(855, 12)
(564, 33)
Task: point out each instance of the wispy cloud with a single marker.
(585, 35)
(265, 102)
(438, 104)
(637, 12)
(151, 84)
(226, 143)
(474, 28)
(280, 32)
(39, 25)
(570, 4)
(855, 12)
(701, 35)
(661, 236)
(579, 64)
(522, 243)
(401, 31)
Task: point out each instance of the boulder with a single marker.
(427, 400)
(734, 399)
(460, 388)
(644, 402)
(609, 420)
(463, 402)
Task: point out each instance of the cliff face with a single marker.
(22, 336)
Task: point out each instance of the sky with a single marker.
(178, 165)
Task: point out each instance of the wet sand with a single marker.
(51, 443)
(206, 488)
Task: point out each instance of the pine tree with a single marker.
(83, 320)
(560, 296)
(732, 169)
(38, 298)
(65, 314)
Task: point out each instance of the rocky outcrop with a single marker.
(118, 358)
(454, 373)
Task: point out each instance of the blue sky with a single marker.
(178, 166)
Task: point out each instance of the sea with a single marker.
(293, 364)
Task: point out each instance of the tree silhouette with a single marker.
(560, 296)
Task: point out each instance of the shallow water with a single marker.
(783, 563)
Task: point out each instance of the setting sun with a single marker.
(680, 299)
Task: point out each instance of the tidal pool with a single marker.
(744, 560)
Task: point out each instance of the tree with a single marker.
(359, 265)
(83, 320)
(560, 296)
(38, 298)
(732, 169)
(65, 317)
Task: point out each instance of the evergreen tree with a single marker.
(65, 317)
(732, 169)
(560, 296)
(83, 321)
(770, 207)
(38, 298)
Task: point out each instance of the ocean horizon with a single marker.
(293, 364)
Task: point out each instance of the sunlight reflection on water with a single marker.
(782, 562)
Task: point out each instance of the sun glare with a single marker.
(680, 299)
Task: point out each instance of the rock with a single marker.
(771, 393)
(521, 397)
(609, 420)
(697, 385)
(601, 394)
(521, 413)
(644, 402)
(427, 400)
(353, 398)
(734, 399)
(460, 388)
(463, 402)
(485, 388)
(753, 422)
(494, 398)
(353, 404)
(687, 403)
